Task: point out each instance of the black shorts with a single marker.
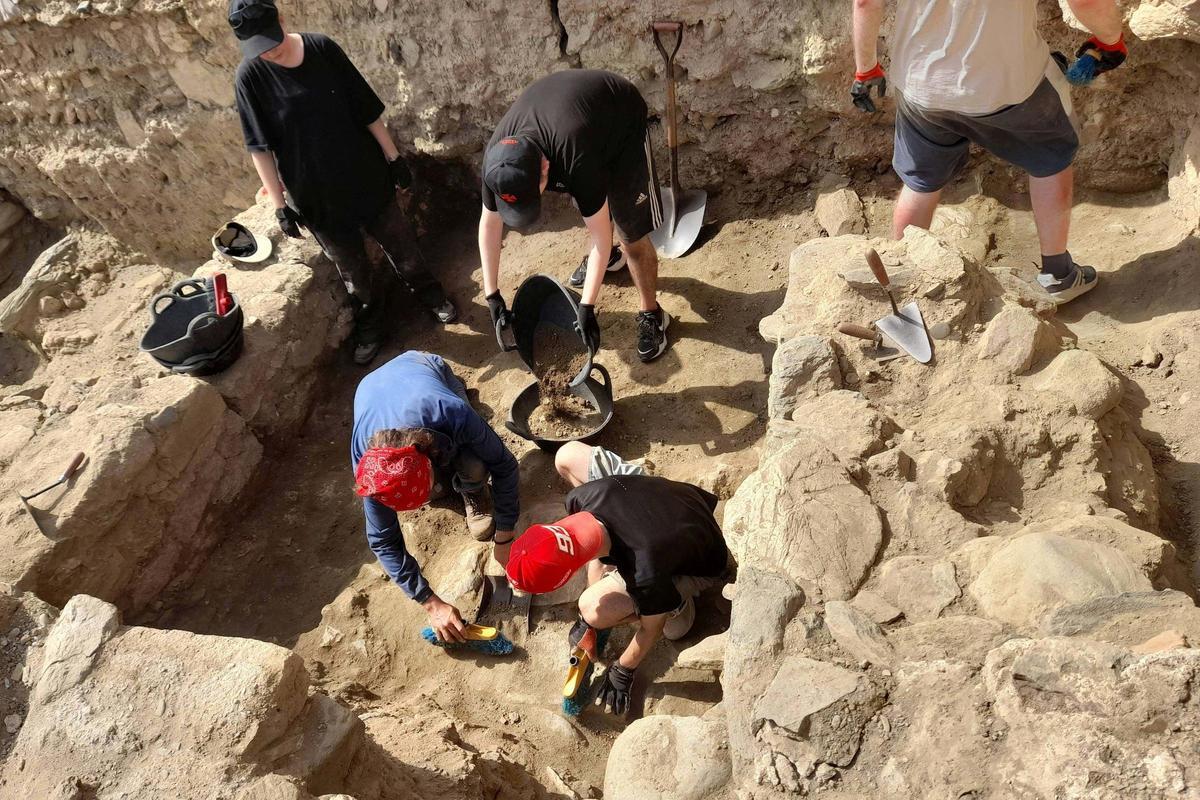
(1035, 135)
(633, 199)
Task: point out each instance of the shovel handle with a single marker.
(860, 331)
(876, 264)
(666, 26)
(70, 470)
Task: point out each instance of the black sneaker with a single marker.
(365, 352)
(616, 260)
(652, 333)
(1080, 280)
(446, 312)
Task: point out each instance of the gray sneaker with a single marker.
(1080, 280)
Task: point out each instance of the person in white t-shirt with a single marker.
(979, 71)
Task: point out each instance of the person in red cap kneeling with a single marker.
(412, 419)
(650, 544)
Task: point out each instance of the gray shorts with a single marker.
(1036, 135)
(605, 463)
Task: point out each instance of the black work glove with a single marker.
(289, 221)
(1107, 56)
(587, 327)
(501, 317)
(401, 174)
(614, 691)
(860, 90)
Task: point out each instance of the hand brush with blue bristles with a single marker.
(480, 638)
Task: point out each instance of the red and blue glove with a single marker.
(1094, 58)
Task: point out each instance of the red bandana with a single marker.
(398, 477)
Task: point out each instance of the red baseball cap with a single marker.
(545, 556)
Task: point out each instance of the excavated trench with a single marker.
(293, 567)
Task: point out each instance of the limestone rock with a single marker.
(1083, 381)
(921, 587)
(875, 607)
(1161, 19)
(820, 704)
(236, 706)
(965, 639)
(1126, 619)
(840, 212)
(1013, 340)
(801, 365)
(10, 214)
(1037, 572)
(922, 521)
(801, 514)
(1184, 182)
(672, 758)
(843, 421)
(1153, 555)
(20, 308)
(857, 634)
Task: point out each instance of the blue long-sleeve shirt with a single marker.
(417, 390)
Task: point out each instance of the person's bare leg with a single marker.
(1051, 200)
(605, 605)
(914, 208)
(572, 461)
(643, 266)
(596, 570)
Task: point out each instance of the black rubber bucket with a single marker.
(543, 300)
(598, 394)
(187, 336)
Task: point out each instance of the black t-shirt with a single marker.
(660, 529)
(314, 118)
(581, 120)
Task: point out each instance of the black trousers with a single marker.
(367, 284)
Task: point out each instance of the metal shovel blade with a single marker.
(907, 330)
(682, 219)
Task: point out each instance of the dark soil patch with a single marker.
(559, 356)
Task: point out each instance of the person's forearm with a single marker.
(868, 14)
(491, 234)
(648, 633)
(1101, 17)
(597, 264)
(268, 173)
(381, 134)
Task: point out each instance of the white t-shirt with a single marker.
(969, 56)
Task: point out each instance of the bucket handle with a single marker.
(176, 292)
(604, 374)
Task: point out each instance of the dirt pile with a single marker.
(122, 114)
(946, 559)
(558, 357)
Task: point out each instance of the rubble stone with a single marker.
(673, 758)
(840, 212)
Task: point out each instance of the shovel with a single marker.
(68, 473)
(882, 352)
(682, 209)
(904, 326)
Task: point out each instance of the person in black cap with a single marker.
(311, 119)
(582, 132)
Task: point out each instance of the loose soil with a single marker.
(558, 356)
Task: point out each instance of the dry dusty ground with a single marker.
(300, 543)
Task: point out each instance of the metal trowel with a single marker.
(904, 326)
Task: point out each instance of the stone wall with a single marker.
(122, 114)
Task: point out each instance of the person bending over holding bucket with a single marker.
(310, 118)
(650, 546)
(414, 429)
(582, 132)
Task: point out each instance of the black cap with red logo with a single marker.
(512, 169)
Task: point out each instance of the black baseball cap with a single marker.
(256, 25)
(512, 169)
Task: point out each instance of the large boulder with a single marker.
(114, 707)
(1038, 572)
(802, 515)
(1127, 619)
(1154, 556)
(920, 586)
(668, 758)
(1013, 340)
(1081, 379)
(803, 365)
(843, 421)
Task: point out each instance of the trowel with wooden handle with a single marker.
(904, 326)
(882, 352)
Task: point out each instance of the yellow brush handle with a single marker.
(576, 672)
(480, 633)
